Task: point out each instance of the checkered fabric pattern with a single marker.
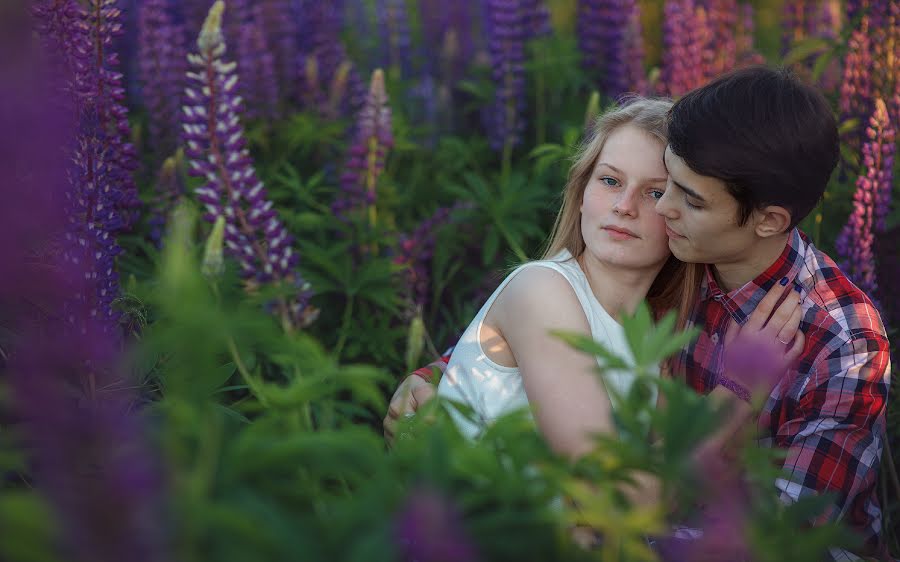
(828, 413)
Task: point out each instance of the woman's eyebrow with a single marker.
(618, 171)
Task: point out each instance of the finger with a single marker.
(796, 349)
(783, 316)
(421, 395)
(765, 307)
(389, 425)
(791, 326)
(732, 332)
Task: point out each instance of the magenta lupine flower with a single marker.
(504, 118)
(746, 53)
(393, 31)
(414, 252)
(216, 147)
(162, 66)
(612, 46)
(722, 20)
(870, 202)
(684, 42)
(365, 164)
(429, 528)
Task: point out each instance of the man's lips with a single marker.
(672, 234)
(620, 230)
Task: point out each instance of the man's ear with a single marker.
(772, 220)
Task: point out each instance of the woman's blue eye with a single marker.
(613, 180)
(657, 194)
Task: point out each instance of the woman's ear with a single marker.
(772, 220)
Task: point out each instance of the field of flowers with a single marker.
(229, 229)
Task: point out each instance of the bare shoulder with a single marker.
(544, 295)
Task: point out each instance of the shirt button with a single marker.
(714, 338)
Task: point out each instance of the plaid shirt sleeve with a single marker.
(433, 371)
(835, 441)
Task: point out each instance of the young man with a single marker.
(749, 156)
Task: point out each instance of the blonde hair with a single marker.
(676, 284)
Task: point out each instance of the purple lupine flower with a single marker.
(856, 85)
(335, 72)
(684, 41)
(162, 68)
(216, 147)
(429, 528)
(393, 30)
(612, 48)
(794, 23)
(746, 54)
(365, 164)
(169, 188)
(86, 450)
(103, 25)
(281, 27)
(414, 252)
(446, 38)
(854, 243)
(536, 17)
(93, 219)
(256, 68)
(504, 118)
(723, 20)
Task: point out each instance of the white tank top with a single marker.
(491, 389)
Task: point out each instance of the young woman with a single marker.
(608, 251)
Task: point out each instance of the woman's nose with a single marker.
(626, 203)
(664, 205)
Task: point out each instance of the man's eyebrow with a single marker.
(689, 191)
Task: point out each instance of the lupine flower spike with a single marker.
(872, 198)
(216, 147)
(367, 154)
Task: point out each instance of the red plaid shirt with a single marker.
(829, 413)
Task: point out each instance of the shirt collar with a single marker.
(742, 301)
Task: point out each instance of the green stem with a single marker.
(520, 253)
(506, 163)
(345, 327)
(254, 385)
(540, 94)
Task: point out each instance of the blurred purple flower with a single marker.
(414, 252)
(339, 89)
(86, 448)
(162, 67)
(257, 79)
(685, 37)
(429, 528)
(612, 46)
(871, 202)
(746, 51)
(216, 147)
(367, 153)
(393, 29)
(536, 17)
(504, 118)
(280, 23)
(447, 43)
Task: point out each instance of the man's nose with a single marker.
(664, 205)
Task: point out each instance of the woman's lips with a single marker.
(672, 234)
(617, 233)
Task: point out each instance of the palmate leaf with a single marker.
(587, 344)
